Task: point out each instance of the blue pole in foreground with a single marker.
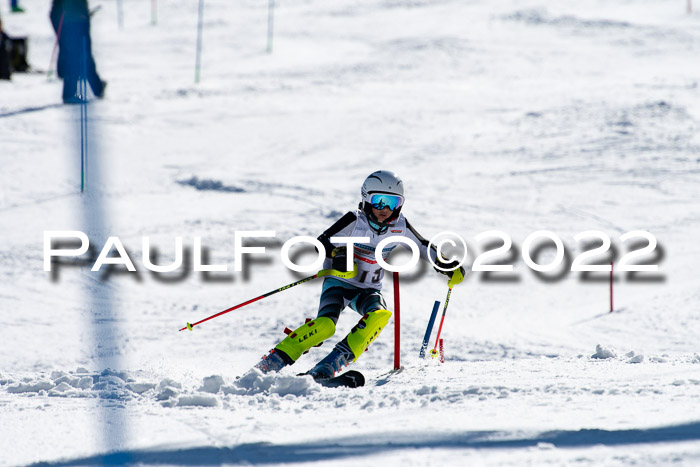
(426, 339)
(199, 42)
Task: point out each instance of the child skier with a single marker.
(378, 216)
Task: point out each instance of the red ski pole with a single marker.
(456, 278)
(58, 36)
(321, 273)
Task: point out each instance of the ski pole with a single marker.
(456, 278)
(53, 54)
(321, 273)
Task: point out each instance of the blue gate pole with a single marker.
(426, 339)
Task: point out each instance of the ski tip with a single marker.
(189, 326)
(349, 379)
(356, 379)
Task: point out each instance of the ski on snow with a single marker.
(350, 379)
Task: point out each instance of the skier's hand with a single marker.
(340, 258)
(450, 274)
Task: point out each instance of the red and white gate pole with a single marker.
(397, 324)
(611, 287)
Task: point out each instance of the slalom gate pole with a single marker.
(120, 15)
(429, 330)
(455, 279)
(198, 60)
(397, 323)
(55, 46)
(270, 24)
(321, 273)
(611, 287)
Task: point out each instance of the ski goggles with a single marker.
(382, 200)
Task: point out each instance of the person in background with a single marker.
(15, 8)
(75, 59)
(5, 45)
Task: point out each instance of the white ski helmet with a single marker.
(381, 189)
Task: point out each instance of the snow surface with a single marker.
(519, 115)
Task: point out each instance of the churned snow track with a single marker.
(224, 420)
(520, 116)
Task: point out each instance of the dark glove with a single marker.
(340, 258)
(449, 265)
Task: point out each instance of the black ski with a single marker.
(349, 379)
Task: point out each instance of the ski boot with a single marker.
(273, 361)
(299, 341)
(340, 356)
(352, 346)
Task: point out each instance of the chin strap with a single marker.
(379, 227)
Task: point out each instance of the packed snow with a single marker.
(515, 116)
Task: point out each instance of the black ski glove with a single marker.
(340, 258)
(448, 265)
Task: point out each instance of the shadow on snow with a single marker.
(27, 110)
(266, 453)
